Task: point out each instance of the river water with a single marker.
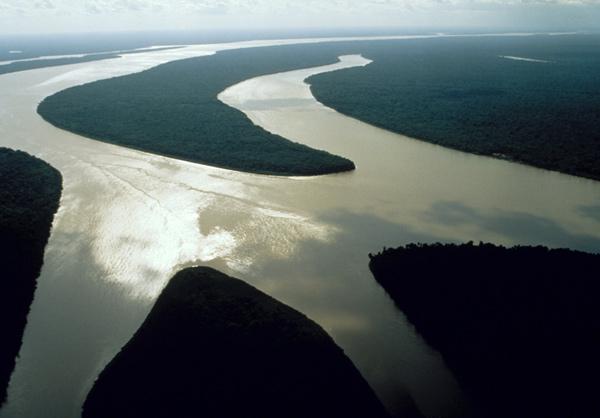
(128, 220)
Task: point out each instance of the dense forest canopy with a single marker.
(457, 92)
(214, 346)
(520, 326)
(173, 110)
(462, 93)
(29, 196)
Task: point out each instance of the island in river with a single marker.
(520, 327)
(173, 110)
(214, 346)
(29, 197)
(466, 93)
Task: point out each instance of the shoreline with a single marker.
(217, 217)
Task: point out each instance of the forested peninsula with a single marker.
(173, 110)
(214, 346)
(520, 327)
(29, 197)
(463, 93)
(460, 92)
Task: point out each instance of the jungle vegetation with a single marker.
(456, 92)
(29, 196)
(173, 110)
(520, 326)
(214, 346)
(461, 93)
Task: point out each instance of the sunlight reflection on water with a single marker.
(128, 220)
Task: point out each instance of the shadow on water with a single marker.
(520, 227)
(80, 318)
(77, 322)
(331, 283)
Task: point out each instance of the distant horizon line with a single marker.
(315, 30)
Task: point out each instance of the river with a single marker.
(128, 220)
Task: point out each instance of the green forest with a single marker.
(29, 197)
(461, 93)
(173, 110)
(518, 326)
(455, 92)
(214, 346)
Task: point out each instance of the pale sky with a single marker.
(45, 16)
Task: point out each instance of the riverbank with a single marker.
(29, 197)
(173, 110)
(519, 326)
(276, 232)
(215, 346)
(464, 94)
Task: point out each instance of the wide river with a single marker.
(128, 220)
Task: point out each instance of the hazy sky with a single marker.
(23, 16)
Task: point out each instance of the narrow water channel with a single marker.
(128, 220)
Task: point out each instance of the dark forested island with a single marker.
(29, 197)
(173, 110)
(459, 92)
(520, 326)
(464, 93)
(214, 346)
